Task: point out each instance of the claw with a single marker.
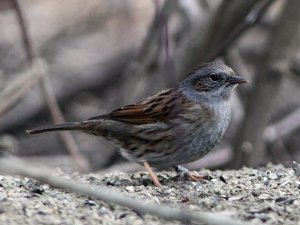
(183, 174)
(195, 177)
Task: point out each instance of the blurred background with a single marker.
(72, 59)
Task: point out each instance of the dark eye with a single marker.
(214, 77)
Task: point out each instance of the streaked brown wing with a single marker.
(161, 106)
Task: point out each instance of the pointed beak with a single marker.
(236, 80)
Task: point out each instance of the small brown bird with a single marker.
(172, 127)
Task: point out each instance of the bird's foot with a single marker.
(183, 174)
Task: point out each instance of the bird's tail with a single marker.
(56, 127)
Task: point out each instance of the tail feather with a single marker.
(56, 127)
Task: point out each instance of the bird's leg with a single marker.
(152, 174)
(184, 174)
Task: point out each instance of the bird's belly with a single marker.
(193, 146)
(201, 143)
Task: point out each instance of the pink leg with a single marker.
(152, 174)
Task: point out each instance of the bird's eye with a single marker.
(214, 77)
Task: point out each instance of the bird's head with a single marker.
(211, 82)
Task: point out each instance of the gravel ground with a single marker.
(268, 195)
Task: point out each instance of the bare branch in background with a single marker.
(59, 118)
(109, 75)
(14, 91)
(165, 37)
(203, 39)
(140, 69)
(27, 44)
(150, 46)
(16, 166)
(251, 19)
(32, 57)
(249, 147)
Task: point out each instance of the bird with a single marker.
(174, 126)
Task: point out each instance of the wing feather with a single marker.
(159, 107)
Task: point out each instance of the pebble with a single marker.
(130, 188)
(273, 176)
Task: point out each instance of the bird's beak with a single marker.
(236, 80)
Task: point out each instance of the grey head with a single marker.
(211, 82)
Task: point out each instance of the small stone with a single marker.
(256, 192)
(296, 168)
(273, 176)
(91, 178)
(113, 182)
(90, 203)
(123, 215)
(273, 185)
(284, 183)
(281, 199)
(223, 179)
(130, 188)
(266, 181)
(104, 211)
(42, 213)
(235, 198)
(265, 197)
(199, 187)
(38, 191)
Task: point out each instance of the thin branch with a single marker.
(203, 38)
(32, 57)
(33, 106)
(250, 20)
(58, 117)
(27, 44)
(16, 166)
(141, 65)
(249, 146)
(155, 30)
(17, 89)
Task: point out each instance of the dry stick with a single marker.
(251, 19)
(27, 44)
(154, 29)
(147, 54)
(202, 39)
(57, 116)
(166, 56)
(17, 89)
(112, 70)
(16, 166)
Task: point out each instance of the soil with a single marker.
(268, 195)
